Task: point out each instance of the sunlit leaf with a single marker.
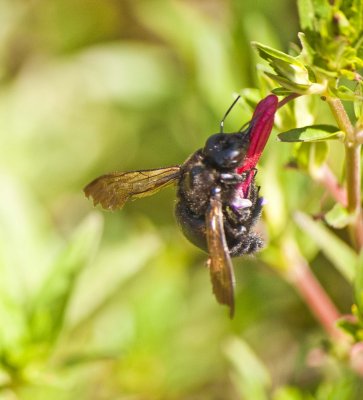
(281, 91)
(289, 85)
(271, 55)
(358, 104)
(313, 133)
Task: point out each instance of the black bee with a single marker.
(218, 200)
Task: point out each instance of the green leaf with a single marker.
(343, 24)
(288, 84)
(280, 91)
(269, 54)
(338, 252)
(290, 72)
(358, 103)
(312, 133)
(354, 12)
(338, 217)
(344, 93)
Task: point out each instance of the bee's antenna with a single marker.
(250, 122)
(244, 126)
(227, 112)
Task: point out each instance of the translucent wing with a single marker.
(113, 190)
(220, 265)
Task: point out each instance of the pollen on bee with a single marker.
(240, 202)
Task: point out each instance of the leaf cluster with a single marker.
(331, 50)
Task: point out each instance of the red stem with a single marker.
(287, 99)
(309, 288)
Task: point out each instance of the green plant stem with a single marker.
(353, 171)
(341, 116)
(353, 167)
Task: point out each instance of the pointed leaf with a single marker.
(312, 133)
(358, 104)
(269, 54)
(280, 91)
(288, 84)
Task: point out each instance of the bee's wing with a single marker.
(113, 190)
(220, 264)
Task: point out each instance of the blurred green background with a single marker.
(97, 305)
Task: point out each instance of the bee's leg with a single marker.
(231, 178)
(256, 211)
(234, 231)
(248, 244)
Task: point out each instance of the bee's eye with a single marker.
(225, 151)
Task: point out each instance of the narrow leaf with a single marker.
(358, 104)
(289, 85)
(337, 251)
(269, 54)
(312, 133)
(280, 91)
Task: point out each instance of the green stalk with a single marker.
(353, 170)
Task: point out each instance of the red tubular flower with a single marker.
(259, 131)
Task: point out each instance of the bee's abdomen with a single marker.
(192, 226)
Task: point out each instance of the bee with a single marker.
(218, 201)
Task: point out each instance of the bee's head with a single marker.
(226, 151)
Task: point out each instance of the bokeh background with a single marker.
(98, 305)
